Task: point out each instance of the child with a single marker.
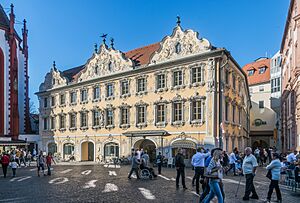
(14, 166)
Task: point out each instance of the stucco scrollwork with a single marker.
(53, 79)
(104, 62)
(180, 43)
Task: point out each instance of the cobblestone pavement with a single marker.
(103, 183)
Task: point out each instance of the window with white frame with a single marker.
(275, 85)
(45, 123)
(141, 85)
(52, 123)
(196, 75)
(124, 87)
(45, 102)
(262, 70)
(83, 119)
(109, 117)
(96, 93)
(62, 121)
(160, 113)
(73, 97)
(96, 117)
(83, 95)
(196, 110)
(109, 90)
(53, 101)
(141, 114)
(177, 78)
(62, 99)
(72, 120)
(160, 81)
(177, 111)
(124, 115)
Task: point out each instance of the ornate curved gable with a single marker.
(180, 43)
(53, 79)
(104, 62)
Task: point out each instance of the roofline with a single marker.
(287, 22)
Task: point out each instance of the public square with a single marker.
(109, 183)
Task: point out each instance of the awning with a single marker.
(13, 143)
(145, 133)
(184, 144)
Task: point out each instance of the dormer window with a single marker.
(251, 72)
(262, 70)
(178, 48)
(110, 66)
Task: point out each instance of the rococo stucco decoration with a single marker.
(106, 61)
(53, 79)
(180, 43)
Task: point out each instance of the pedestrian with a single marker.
(4, 163)
(134, 166)
(275, 167)
(49, 160)
(198, 164)
(40, 163)
(215, 176)
(249, 170)
(145, 156)
(29, 157)
(291, 158)
(159, 160)
(232, 160)
(179, 164)
(14, 166)
(256, 154)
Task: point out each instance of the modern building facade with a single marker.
(275, 79)
(290, 51)
(14, 101)
(160, 97)
(262, 116)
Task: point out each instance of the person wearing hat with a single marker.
(275, 167)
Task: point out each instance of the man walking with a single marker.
(198, 164)
(134, 166)
(159, 162)
(49, 160)
(179, 164)
(232, 160)
(249, 169)
(5, 163)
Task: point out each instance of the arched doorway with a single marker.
(260, 144)
(147, 145)
(188, 149)
(2, 95)
(87, 151)
(52, 147)
(68, 150)
(111, 150)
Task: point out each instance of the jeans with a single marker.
(49, 169)
(249, 186)
(4, 169)
(274, 184)
(180, 172)
(136, 172)
(199, 171)
(215, 190)
(14, 171)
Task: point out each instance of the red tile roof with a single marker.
(257, 78)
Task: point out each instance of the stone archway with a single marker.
(87, 151)
(147, 145)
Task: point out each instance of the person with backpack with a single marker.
(159, 160)
(4, 163)
(179, 164)
(40, 163)
(49, 160)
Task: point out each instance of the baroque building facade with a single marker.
(14, 100)
(159, 97)
(290, 99)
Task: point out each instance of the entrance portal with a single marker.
(87, 151)
(147, 145)
(68, 150)
(260, 143)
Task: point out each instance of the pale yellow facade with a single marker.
(177, 110)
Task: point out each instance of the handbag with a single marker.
(269, 174)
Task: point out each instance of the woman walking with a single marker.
(275, 167)
(215, 175)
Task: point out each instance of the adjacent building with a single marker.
(14, 101)
(262, 116)
(160, 97)
(290, 99)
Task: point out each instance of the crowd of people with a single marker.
(16, 158)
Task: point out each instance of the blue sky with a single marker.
(65, 31)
